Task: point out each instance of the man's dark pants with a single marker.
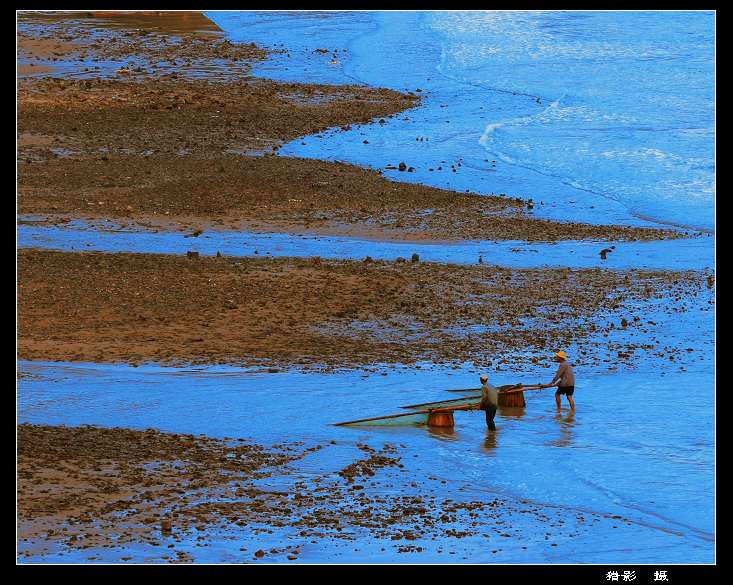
(490, 412)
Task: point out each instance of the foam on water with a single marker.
(631, 116)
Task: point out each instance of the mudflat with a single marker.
(90, 492)
(285, 195)
(172, 140)
(323, 314)
(154, 120)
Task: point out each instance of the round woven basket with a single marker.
(512, 399)
(440, 419)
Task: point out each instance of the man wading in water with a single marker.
(489, 401)
(564, 380)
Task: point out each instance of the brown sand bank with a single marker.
(325, 314)
(198, 118)
(166, 20)
(152, 41)
(92, 489)
(89, 487)
(277, 194)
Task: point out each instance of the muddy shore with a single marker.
(164, 146)
(89, 42)
(160, 492)
(282, 195)
(135, 308)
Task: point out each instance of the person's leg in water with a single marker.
(571, 402)
(557, 399)
(490, 412)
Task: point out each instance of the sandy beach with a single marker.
(154, 123)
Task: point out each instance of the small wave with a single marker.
(681, 225)
(488, 131)
(519, 121)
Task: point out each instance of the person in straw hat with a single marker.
(564, 380)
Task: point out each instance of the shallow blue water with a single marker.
(693, 253)
(613, 457)
(604, 115)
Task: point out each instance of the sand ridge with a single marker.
(325, 313)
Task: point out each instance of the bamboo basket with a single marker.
(513, 398)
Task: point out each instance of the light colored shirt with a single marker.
(490, 393)
(564, 375)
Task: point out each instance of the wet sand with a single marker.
(84, 37)
(163, 493)
(281, 195)
(118, 486)
(40, 54)
(94, 118)
(281, 312)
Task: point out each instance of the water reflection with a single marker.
(567, 422)
(514, 412)
(443, 433)
(490, 442)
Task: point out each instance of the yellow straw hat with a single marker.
(561, 354)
